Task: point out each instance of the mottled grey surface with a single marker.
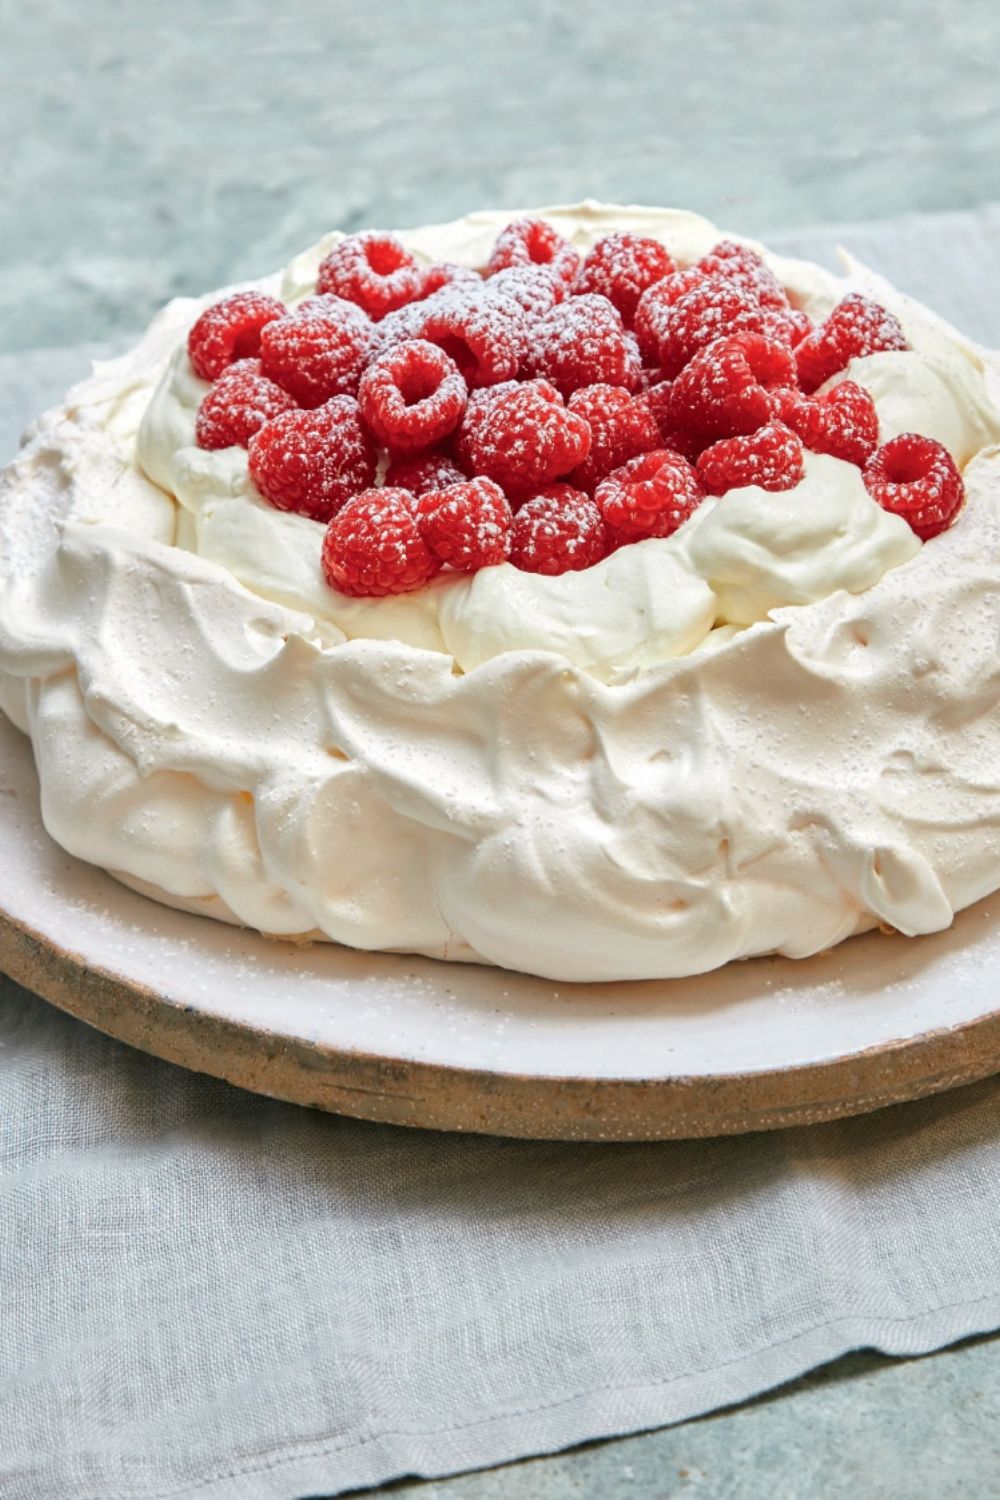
(157, 149)
(148, 150)
(864, 1428)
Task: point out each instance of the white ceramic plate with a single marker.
(762, 1043)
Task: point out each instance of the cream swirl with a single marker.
(579, 777)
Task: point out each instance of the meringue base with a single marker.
(760, 1045)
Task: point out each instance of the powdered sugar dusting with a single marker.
(313, 461)
(467, 525)
(373, 270)
(770, 458)
(521, 434)
(527, 242)
(318, 351)
(238, 405)
(485, 333)
(584, 342)
(621, 267)
(558, 530)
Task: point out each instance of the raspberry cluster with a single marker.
(546, 411)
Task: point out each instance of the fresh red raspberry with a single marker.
(657, 394)
(558, 530)
(621, 425)
(373, 546)
(740, 263)
(714, 306)
(531, 242)
(412, 396)
(467, 525)
(621, 267)
(445, 273)
(651, 495)
(799, 325)
(688, 444)
(783, 327)
(582, 342)
(429, 471)
(771, 458)
(373, 270)
(230, 330)
(328, 304)
(484, 333)
(916, 478)
(535, 289)
(856, 327)
(318, 351)
(312, 461)
(239, 403)
(843, 422)
(653, 307)
(727, 387)
(522, 435)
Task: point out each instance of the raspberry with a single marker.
(653, 306)
(621, 426)
(657, 393)
(799, 326)
(535, 289)
(467, 525)
(743, 265)
(444, 273)
(240, 402)
(770, 458)
(652, 495)
(712, 307)
(484, 333)
(857, 326)
(530, 242)
(431, 471)
(330, 305)
(621, 267)
(412, 396)
(727, 387)
(318, 351)
(230, 330)
(521, 434)
(582, 342)
(373, 270)
(312, 461)
(916, 478)
(783, 327)
(373, 546)
(559, 530)
(688, 444)
(843, 422)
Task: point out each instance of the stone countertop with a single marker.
(153, 150)
(149, 151)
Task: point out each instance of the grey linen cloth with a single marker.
(208, 1294)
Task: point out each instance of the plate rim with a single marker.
(446, 1096)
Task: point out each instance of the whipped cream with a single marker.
(759, 551)
(765, 733)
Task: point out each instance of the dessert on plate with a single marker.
(585, 592)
